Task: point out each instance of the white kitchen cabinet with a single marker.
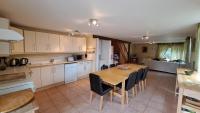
(79, 44)
(36, 77)
(47, 76)
(54, 43)
(82, 44)
(42, 42)
(66, 44)
(58, 73)
(88, 67)
(70, 72)
(30, 41)
(4, 23)
(81, 69)
(17, 47)
(4, 48)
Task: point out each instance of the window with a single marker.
(173, 51)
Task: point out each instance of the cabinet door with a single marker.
(76, 44)
(42, 42)
(36, 78)
(30, 41)
(54, 43)
(70, 73)
(88, 67)
(4, 48)
(58, 73)
(66, 43)
(80, 69)
(82, 44)
(17, 46)
(46, 75)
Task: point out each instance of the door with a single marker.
(66, 43)
(17, 46)
(59, 73)
(30, 41)
(46, 75)
(54, 43)
(36, 78)
(42, 42)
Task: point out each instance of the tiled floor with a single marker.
(158, 97)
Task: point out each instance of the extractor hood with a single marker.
(10, 35)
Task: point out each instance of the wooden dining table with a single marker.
(114, 76)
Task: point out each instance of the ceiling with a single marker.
(161, 20)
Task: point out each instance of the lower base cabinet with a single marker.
(44, 76)
(84, 68)
(70, 72)
(36, 78)
(47, 75)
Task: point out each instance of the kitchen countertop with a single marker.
(15, 70)
(54, 63)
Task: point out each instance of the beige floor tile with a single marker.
(158, 97)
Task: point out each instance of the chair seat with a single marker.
(106, 89)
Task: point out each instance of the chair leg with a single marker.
(91, 93)
(126, 97)
(142, 85)
(133, 91)
(101, 103)
(145, 82)
(111, 96)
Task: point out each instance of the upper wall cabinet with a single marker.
(17, 47)
(42, 42)
(79, 44)
(82, 44)
(30, 41)
(54, 42)
(66, 44)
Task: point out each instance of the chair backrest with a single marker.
(145, 73)
(139, 75)
(95, 83)
(112, 65)
(104, 67)
(131, 81)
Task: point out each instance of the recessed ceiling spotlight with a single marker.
(93, 22)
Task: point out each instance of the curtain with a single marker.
(171, 51)
(197, 50)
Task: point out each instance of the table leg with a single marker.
(123, 93)
(180, 99)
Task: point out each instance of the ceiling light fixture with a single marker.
(93, 22)
(145, 38)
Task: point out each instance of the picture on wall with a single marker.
(144, 49)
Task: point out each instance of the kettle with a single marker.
(14, 62)
(23, 61)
